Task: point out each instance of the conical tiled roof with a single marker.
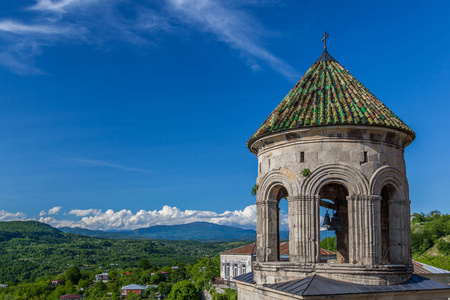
(329, 95)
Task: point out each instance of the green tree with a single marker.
(113, 275)
(164, 288)
(144, 264)
(204, 270)
(329, 243)
(100, 286)
(133, 296)
(83, 283)
(254, 190)
(73, 274)
(146, 277)
(184, 290)
(157, 278)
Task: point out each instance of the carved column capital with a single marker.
(293, 198)
(268, 202)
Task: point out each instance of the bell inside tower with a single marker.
(333, 197)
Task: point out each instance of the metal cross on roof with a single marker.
(324, 40)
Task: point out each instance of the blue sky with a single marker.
(121, 113)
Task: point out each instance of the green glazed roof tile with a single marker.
(328, 95)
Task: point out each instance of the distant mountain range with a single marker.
(199, 231)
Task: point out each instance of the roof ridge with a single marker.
(309, 283)
(325, 56)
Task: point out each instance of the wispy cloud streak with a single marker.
(105, 164)
(58, 22)
(60, 5)
(20, 28)
(233, 27)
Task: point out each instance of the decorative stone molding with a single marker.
(388, 175)
(352, 179)
(277, 178)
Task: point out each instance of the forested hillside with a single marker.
(30, 230)
(430, 239)
(29, 250)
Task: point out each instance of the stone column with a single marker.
(364, 232)
(304, 229)
(399, 232)
(267, 230)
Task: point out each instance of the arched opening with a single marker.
(387, 193)
(333, 200)
(281, 223)
(283, 229)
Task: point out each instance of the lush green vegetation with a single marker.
(31, 250)
(176, 281)
(430, 239)
(32, 253)
(329, 243)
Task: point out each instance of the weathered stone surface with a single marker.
(362, 161)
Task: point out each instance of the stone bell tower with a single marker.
(331, 143)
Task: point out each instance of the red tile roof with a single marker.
(71, 296)
(284, 250)
(248, 249)
(424, 269)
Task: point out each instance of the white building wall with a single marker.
(232, 265)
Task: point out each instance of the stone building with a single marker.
(331, 143)
(238, 261)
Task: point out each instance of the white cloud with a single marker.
(56, 223)
(126, 219)
(8, 216)
(84, 212)
(20, 28)
(233, 27)
(55, 210)
(52, 211)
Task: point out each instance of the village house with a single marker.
(103, 277)
(71, 297)
(57, 282)
(134, 289)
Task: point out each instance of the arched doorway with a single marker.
(280, 194)
(333, 197)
